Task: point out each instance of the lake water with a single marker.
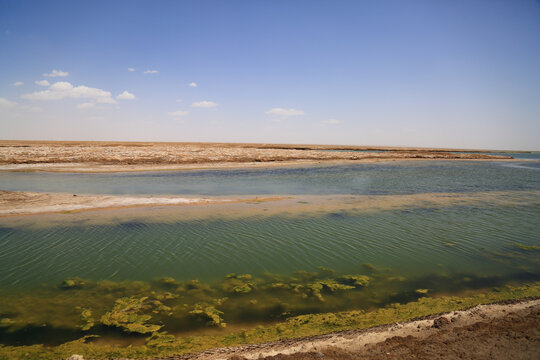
(457, 241)
(383, 178)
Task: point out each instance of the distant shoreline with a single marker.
(88, 157)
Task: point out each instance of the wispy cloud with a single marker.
(204, 104)
(6, 104)
(63, 89)
(178, 113)
(56, 73)
(11, 106)
(86, 105)
(285, 112)
(42, 83)
(330, 122)
(179, 100)
(151, 72)
(131, 69)
(126, 96)
(18, 83)
(192, 84)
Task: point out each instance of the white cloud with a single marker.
(131, 69)
(63, 89)
(179, 100)
(34, 109)
(151, 71)
(56, 73)
(18, 83)
(330, 122)
(42, 83)
(192, 84)
(6, 104)
(126, 96)
(285, 112)
(204, 104)
(86, 105)
(178, 113)
(17, 109)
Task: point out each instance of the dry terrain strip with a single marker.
(123, 156)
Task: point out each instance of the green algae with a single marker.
(126, 314)
(238, 284)
(73, 283)
(316, 288)
(209, 314)
(168, 304)
(527, 247)
(160, 339)
(6, 322)
(355, 280)
(88, 320)
(130, 310)
(164, 344)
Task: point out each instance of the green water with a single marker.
(416, 241)
(150, 257)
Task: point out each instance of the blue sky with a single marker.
(412, 73)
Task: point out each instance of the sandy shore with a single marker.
(498, 331)
(28, 203)
(123, 156)
(16, 203)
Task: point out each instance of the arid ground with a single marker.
(124, 156)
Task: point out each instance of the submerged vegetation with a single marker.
(168, 315)
(162, 343)
(136, 307)
(527, 247)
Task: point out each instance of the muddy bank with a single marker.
(118, 156)
(497, 331)
(14, 203)
(26, 203)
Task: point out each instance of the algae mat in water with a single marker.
(160, 343)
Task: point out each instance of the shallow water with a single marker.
(435, 226)
(382, 178)
(411, 241)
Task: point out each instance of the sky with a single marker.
(434, 73)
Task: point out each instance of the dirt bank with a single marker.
(27, 203)
(122, 156)
(14, 203)
(498, 331)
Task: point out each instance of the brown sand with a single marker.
(498, 331)
(15, 203)
(124, 156)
